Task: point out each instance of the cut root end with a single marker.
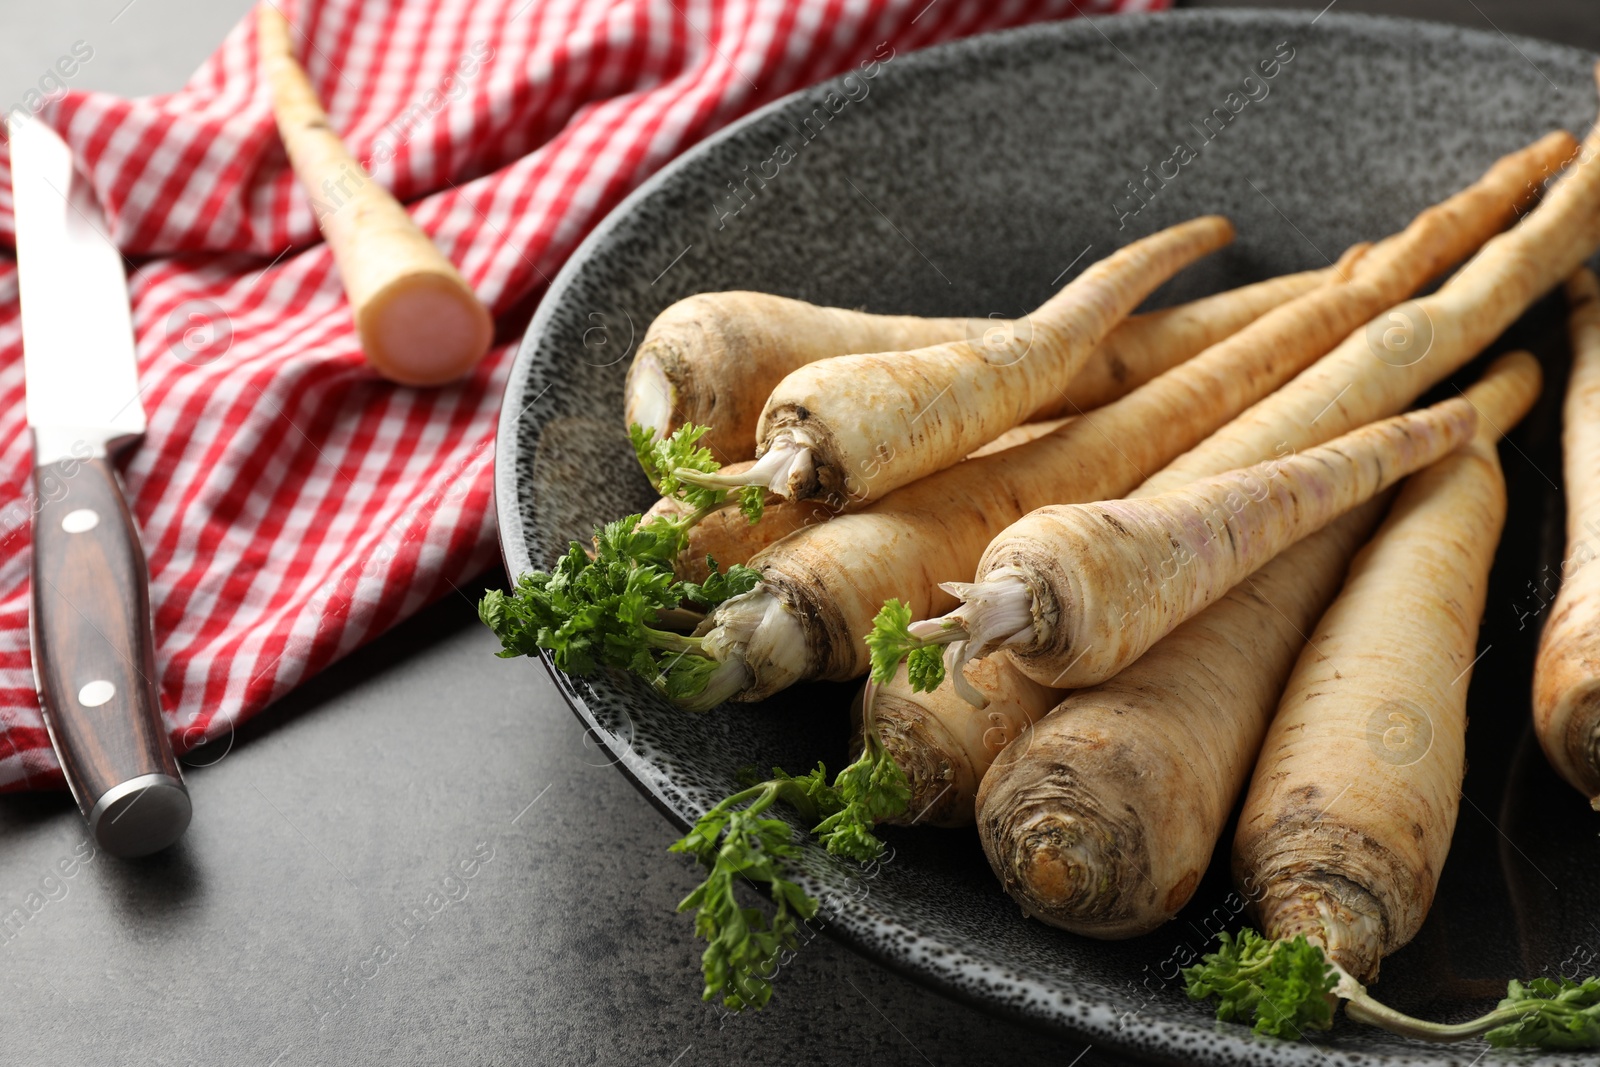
(649, 400)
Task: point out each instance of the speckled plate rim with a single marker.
(1076, 1013)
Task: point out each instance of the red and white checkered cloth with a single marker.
(293, 504)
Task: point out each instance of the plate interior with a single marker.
(975, 179)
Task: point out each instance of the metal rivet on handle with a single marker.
(80, 520)
(96, 693)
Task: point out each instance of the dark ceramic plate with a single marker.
(973, 179)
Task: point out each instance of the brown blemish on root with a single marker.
(1180, 893)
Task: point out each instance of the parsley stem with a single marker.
(1363, 1008)
(763, 795)
(680, 618)
(700, 514)
(940, 631)
(667, 641)
(760, 797)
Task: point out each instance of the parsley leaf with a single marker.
(721, 585)
(682, 676)
(871, 789)
(1284, 987)
(1555, 1013)
(1280, 986)
(891, 641)
(925, 668)
(734, 842)
(662, 458)
(744, 947)
(753, 502)
(601, 609)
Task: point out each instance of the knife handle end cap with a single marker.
(141, 816)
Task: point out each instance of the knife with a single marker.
(89, 613)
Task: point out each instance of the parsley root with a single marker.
(1373, 719)
(1079, 591)
(714, 358)
(861, 426)
(1143, 346)
(1372, 723)
(945, 747)
(1566, 676)
(1103, 817)
(727, 536)
(418, 320)
(823, 585)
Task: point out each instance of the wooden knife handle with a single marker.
(94, 659)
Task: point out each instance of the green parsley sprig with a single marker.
(1286, 988)
(607, 608)
(1551, 1013)
(1280, 986)
(663, 459)
(733, 840)
(891, 641)
(870, 790)
(736, 841)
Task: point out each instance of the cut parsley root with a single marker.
(714, 358)
(1288, 987)
(1103, 817)
(861, 426)
(419, 321)
(1566, 674)
(614, 606)
(1077, 592)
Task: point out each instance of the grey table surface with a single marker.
(418, 857)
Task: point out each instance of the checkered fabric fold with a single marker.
(294, 505)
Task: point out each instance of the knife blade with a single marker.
(89, 610)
